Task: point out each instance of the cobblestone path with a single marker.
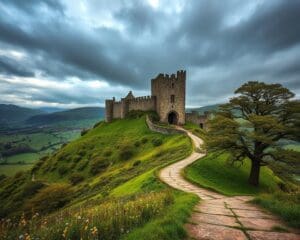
(219, 217)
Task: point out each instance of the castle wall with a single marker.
(117, 110)
(197, 119)
(163, 87)
(142, 103)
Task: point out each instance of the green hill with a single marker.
(68, 115)
(111, 167)
(201, 110)
(11, 113)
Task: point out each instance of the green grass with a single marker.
(215, 173)
(11, 170)
(120, 180)
(25, 158)
(285, 205)
(170, 225)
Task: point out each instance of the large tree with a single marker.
(254, 123)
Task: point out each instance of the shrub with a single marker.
(136, 163)
(135, 114)
(144, 140)
(98, 166)
(62, 170)
(154, 117)
(84, 131)
(31, 188)
(137, 143)
(82, 165)
(81, 152)
(76, 178)
(50, 198)
(125, 153)
(2, 177)
(76, 158)
(107, 153)
(157, 142)
(97, 124)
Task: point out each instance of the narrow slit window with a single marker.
(172, 85)
(172, 98)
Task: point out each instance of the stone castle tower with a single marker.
(167, 99)
(169, 91)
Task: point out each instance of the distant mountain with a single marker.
(68, 115)
(11, 113)
(208, 108)
(52, 109)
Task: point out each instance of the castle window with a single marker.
(172, 85)
(172, 98)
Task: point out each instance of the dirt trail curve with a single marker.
(219, 217)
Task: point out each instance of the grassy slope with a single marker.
(214, 172)
(121, 177)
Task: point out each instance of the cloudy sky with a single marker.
(78, 53)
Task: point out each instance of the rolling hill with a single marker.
(201, 110)
(67, 115)
(11, 113)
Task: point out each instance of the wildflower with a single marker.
(65, 232)
(27, 236)
(94, 231)
(21, 237)
(79, 217)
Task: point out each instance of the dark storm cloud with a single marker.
(221, 44)
(11, 67)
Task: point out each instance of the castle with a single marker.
(167, 99)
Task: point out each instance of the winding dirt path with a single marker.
(219, 217)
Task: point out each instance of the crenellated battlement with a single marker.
(167, 99)
(143, 98)
(180, 75)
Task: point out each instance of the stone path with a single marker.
(219, 217)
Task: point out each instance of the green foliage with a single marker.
(84, 131)
(31, 188)
(99, 165)
(126, 153)
(108, 220)
(136, 163)
(62, 170)
(76, 178)
(50, 199)
(216, 173)
(251, 124)
(170, 226)
(286, 205)
(157, 142)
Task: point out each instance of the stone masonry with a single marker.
(167, 99)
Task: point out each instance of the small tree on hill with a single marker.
(253, 123)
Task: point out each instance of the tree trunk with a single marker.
(254, 174)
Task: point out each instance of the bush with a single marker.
(98, 166)
(84, 131)
(62, 170)
(136, 163)
(107, 153)
(125, 153)
(144, 140)
(97, 124)
(137, 143)
(76, 158)
(82, 165)
(133, 114)
(157, 142)
(76, 178)
(50, 199)
(154, 117)
(31, 188)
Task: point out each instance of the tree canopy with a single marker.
(254, 123)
